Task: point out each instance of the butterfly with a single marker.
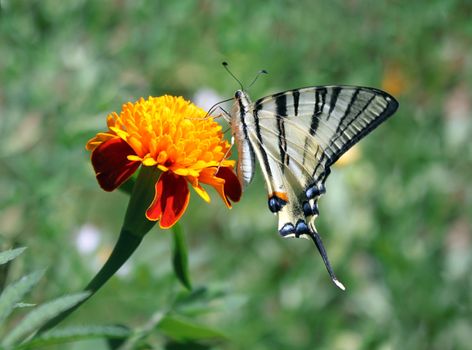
(296, 136)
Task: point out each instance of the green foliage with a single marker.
(11, 254)
(170, 324)
(75, 333)
(181, 329)
(41, 315)
(396, 222)
(180, 256)
(21, 335)
(16, 291)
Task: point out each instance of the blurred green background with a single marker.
(396, 219)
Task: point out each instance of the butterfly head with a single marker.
(243, 100)
(238, 94)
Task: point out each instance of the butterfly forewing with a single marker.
(332, 117)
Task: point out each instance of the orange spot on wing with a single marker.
(281, 195)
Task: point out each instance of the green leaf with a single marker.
(42, 314)
(207, 299)
(11, 254)
(179, 328)
(201, 293)
(14, 292)
(74, 333)
(180, 256)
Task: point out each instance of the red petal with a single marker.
(111, 165)
(170, 200)
(232, 185)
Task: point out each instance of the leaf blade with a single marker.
(10, 254)
(180, 256)
(34, 319)
(14, 292)
(182, 329)
(74, 333)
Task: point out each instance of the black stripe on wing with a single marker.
(261, 143)
(296, 100)
(332, 153)
(320, 99)
(388, 111)
(333, 100)
(281, 112)
(347, 112)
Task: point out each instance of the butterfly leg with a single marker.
(227, 153)
(226, 112)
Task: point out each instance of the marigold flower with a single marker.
(179, 139)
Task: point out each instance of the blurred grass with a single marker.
(396, 221)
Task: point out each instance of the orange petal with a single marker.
(170, 200)
(202, 193)
(224, 182)
(98, 140)
(111, 164)
(232, 187)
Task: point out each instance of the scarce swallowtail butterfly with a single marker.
(296, 136)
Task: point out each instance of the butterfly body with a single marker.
(241, 116)
(296, 136)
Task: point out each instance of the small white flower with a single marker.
(206, 98)
(87, 239)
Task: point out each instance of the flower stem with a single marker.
(135, 227)
(124, 248)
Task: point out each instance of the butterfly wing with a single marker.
(333, 118)
(298, 134)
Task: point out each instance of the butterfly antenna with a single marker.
(216, 105)
(212, 109)
(262, 71)
(225, 64)
(319, 244)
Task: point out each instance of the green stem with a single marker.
(124, 248)
(135, 227)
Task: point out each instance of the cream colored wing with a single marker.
(297, 135)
